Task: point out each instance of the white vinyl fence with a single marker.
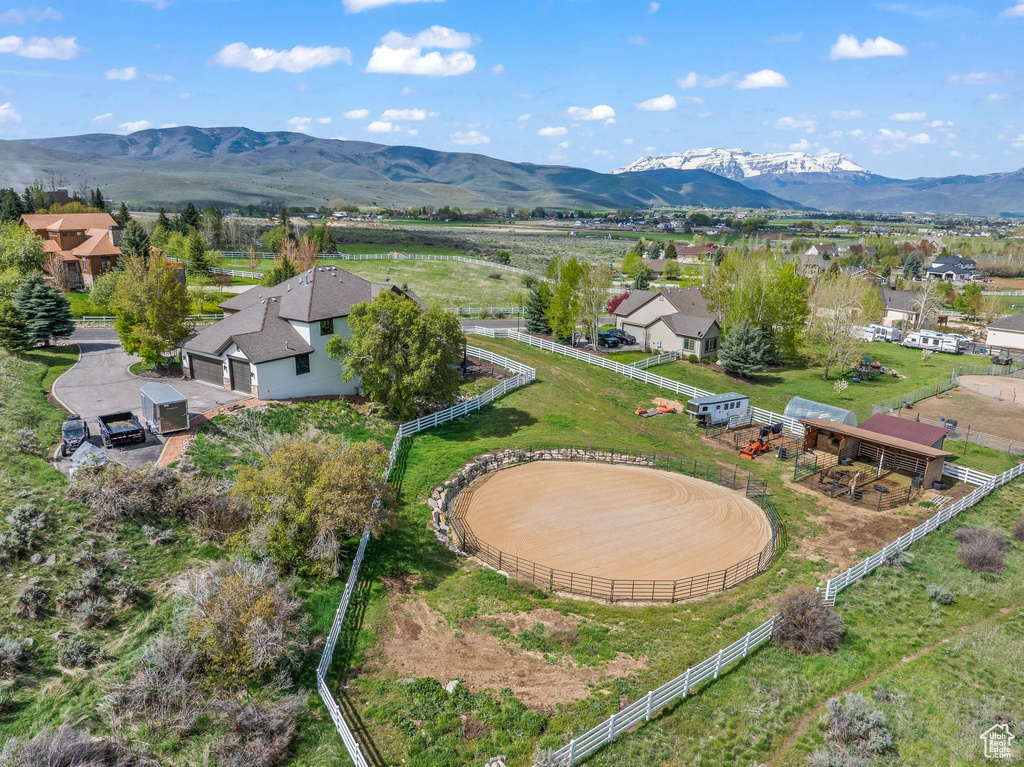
(108, 319)
(966, 474)
(523, 376)
(237, 273)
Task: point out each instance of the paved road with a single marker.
(100, 383)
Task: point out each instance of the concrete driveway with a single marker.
(100, 383)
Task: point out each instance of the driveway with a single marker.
(100, 383)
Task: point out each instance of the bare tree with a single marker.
(841, 304)
(60, 275)
(927, 301)
(252, 259)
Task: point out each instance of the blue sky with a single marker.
(904, 89)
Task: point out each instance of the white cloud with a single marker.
(169, 125)
(803, 145)
(909, 117)
(415, 115)
(835, 134)
(601, 152)
(434, 37)
(301, 58)
(636, 40)
(524, 117)
(62, 48)
(976, 78)
(413, 131)
(8, 114)
(649, 149)
(357, 6)
(324, 120)
(805, 122)
(1013, 10)
(920, 138)
(600, 112)
(158, 4)
(469, 138)
(497, 69)
(996, 98)
(793, 37)
(552, 131)
(103, 117)
(412, 61)
(357, 114)
(300, 124)
(627, 141)
(658, 104)
(407, 91)
(766, 78)
(184, 96)
(131, 127)
(693, 80)
(382, 126)
(940, 124)
(125, 74)
(857, 133)
(846, 114)
(25, 15)
(848, 47)
(653, 7)
(159, 78)
(563, 144)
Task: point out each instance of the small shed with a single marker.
(88, 456)
(906, 428)
(714, 409)
(800, 408)
(164, 409)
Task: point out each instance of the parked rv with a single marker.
(885, 333)
(936, 342)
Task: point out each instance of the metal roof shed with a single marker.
(164, 408)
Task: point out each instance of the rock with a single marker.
(406, 681)
(452, 686)
(36, 559)
(51, 560)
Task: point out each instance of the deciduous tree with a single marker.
(564, 308)
(151, 309)
(841, 305)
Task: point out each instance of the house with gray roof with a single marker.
(952, 269)
(272, 342)
(670, 320)
(1006, 333)
(901, 306)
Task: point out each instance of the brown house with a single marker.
(87, 244)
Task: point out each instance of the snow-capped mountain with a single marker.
(739, 164)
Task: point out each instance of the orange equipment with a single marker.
(759, 445)
(665, 409)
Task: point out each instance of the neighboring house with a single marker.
(811, 264)
(900, 306)
(697, 251)
(87, 244)
(952, 269)
(670, 320)
(824, 249)
(860, 271)
(272, 342)
(1005, 333)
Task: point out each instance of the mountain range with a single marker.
(239, 166)
(236, 166)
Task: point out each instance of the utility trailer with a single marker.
(164, 409)
(118, 429)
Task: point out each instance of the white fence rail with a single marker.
(107, 319)
(491, 311)
(966, 474)
(659, 359)
(1002, 292)
(237, 273)
(524, 375)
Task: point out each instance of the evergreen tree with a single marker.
(28, 200)
(285, 222)
(92, 197)
(911, 265)
(746, 350)
(45, 310)
(283, 269)
(536, 311)
(642, 279)
(14, 335)
(162, 220)
(122, 216)
(10, 206)
(195, 254)
(189, 219)
(99, 203)
(134, 241)
(670, 250)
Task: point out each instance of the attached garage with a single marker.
(241, 375)
(206, 369)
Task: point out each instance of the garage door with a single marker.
(206, 369)
(241, 375)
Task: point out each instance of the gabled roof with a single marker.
(900, 300)
(945, 268)
(98, 244)
(687, 325)
(1011, 322)
(684, 300)
(873, 437)
(320, 293)
(72, 222)
(905, 428)
(259, 332)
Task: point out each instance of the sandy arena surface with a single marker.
(1002, 418)
(622, 522)
(1000, 388)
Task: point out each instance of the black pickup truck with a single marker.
(118, 429)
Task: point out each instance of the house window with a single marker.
(712, 344)
(327, 327)
(688, 344)
(301, 364)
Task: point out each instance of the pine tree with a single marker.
(670, 250)
(45, 309)
(28, 200)
(283, 269)
(746, 350)
(100, 204)
(10, 206)
(134, 241)
(162, 220)
(122, 216)
(14, 335)
(285, 222)
(911, 265)
(195, 254)
(535, 312)
(642, 280)
(189, 219)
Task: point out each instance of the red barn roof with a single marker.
(905, 428)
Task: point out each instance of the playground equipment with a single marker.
(762, 443)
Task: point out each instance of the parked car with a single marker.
(604, 338)
(73, 433)
(118, 429)
(622, 336)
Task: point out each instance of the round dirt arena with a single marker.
(614, 521)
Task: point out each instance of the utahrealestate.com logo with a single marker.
(997, 740)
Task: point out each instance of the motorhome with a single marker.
(885, 333)
(933, 341)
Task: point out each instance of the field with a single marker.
(536, 667)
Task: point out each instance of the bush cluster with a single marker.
(941, 594)
(77, 652)
(12, 655)
(855, 733)
(258, 734)
(68, 747)
(31, 599)
(982, 551)
(24, 524)
(1018, 530)
(165, 690)
(805, 624)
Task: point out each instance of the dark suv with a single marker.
(73, 433)
(605, 338)
(622, 335)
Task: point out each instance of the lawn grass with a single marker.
(801, 378)
(81, 306)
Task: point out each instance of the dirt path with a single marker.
(818, 711)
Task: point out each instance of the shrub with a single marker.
(31, 600)
(114, 492)
(982, 551)
(164, 691)
(27, 442)
(1018, 530)
(806, 625)
(241, 618)
(90, 613)
(12, 655)
(693, 359)
(494, 275)
(125, 591)
(67, 747)
(854, 727)
(77, 652)
(941, 594)
(832, 758)
(258, 734)
(546, 757)
(23, 526)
